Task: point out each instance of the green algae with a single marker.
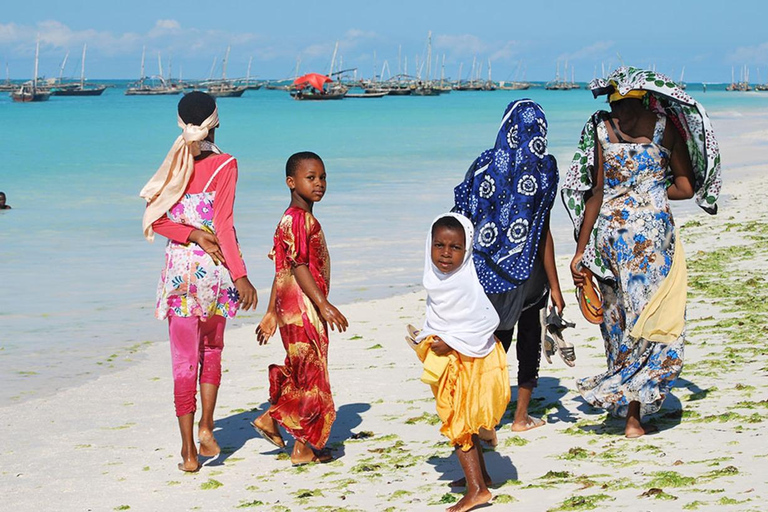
(589, 502)
(694, 505)
(577, 453)
(504, 498)
(670, 479)
(248, 504)
(210, 484)
(658, 494)
(515, 441)
(428, 418)
(445, 499)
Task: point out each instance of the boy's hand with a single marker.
(334, 317)
(440, 347)
(266, 328)
(209, 243)
(247, 293)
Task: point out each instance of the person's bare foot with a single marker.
(304, 454)
(488, 436)
(528, 423)
(190, 464)
(208, 445)
(471, 500)
(266, 426)
(462, 482)
(635, 429)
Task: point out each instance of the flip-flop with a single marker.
(530, 424)
(269, 437)
(412, 331)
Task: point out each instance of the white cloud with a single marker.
(596, 50)
(750, 55)
(462, 45)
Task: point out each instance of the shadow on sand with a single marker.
(232, 432)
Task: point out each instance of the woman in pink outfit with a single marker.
(204, 282)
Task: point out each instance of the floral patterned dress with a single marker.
(191, 284)
(634, 237)
(299, 389)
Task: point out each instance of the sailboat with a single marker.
(251, 85)
(7, 85)
(149, 86)
(224, 88)
(29, 91)
(79, 88)
(426, 88)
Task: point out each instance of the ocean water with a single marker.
(78, 284)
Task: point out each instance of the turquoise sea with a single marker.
(78, 282)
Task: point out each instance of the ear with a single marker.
(291, 182)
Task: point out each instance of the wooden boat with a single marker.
(79, 88)
(29, 91)
(366, 94)
(514, 86)
(306, 94)
(224, 88)
(152, 86)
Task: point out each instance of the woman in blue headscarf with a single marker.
(508, 193)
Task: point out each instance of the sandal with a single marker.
(590, 300)
(556, 324)
(413, 333)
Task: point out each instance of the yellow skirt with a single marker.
(472, 393)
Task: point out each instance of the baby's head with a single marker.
(195, 107)
(305, 175)
(449, 244)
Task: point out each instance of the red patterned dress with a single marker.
(299, 390)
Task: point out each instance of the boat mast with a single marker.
(141, 77)
(63, 65)
(248, 73)
(82, 68)
(213, 67)
(399, 59)
(333, 59)
(429, 56)
(37, 55)
(159, 66)
(224, 65)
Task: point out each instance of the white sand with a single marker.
(112, 443)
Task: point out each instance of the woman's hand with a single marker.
(209, 243)
(440, 348)
(578, 277)
(247, 293)
(558, 302)
(267, 327)
(333, 316)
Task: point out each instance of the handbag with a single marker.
(589, 298)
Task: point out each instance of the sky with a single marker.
(522, 40)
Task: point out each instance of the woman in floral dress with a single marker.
(630, 163)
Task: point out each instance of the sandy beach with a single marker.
(112, 443)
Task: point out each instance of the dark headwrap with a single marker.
(507, 193)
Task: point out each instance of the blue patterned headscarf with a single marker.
(507, 194)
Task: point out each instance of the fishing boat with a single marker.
(79, 88)
(224, 88)
(8, 85)
(426, 88)
(152, 86)
(366, 94)
(29, 91)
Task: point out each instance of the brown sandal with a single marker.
(590, 299)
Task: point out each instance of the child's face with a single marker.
(447, 249)
(309, 180)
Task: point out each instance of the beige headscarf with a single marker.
(168, 184)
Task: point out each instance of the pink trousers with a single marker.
(195, 343)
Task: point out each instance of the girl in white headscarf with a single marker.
(464, 363)
(189, 201)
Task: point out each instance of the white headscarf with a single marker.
(458, 310)
(166, 187)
